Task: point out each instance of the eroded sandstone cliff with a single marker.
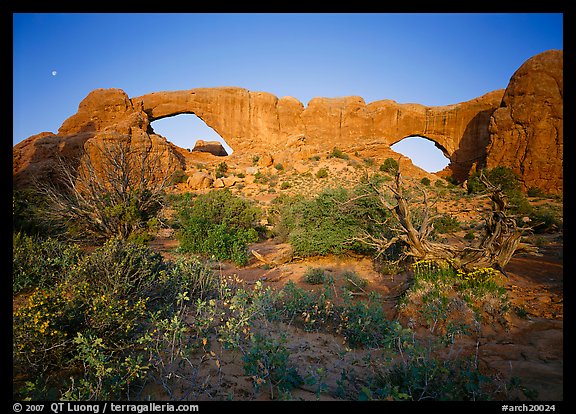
(520, 127)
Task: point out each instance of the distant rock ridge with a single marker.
(472, 134)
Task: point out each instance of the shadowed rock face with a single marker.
(479, 132)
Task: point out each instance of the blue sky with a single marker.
(431, 59)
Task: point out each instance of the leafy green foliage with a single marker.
(221, 169)
(94, 320)
(219, 224)
(322, 173)
(121, 268)
(541, 218)
(266, 362)
(314, 276)
(338, 153)
(390, 166)
(327, 223)
(446, 224)
(40, 263)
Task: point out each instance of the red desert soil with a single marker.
(530, 347)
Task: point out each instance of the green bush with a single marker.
(501, 176)
(97, 321)
(366, 323)
(221, 169)
(266, 362)
(469, 235)
(322, 173)
(425, 181)
(507, 181)
(28, 213)
(446, 224)
(354, 283)
(314, 276)
(337, 153)
(40, 263)
(327, 223)
(219, 224)
(121, 268)
(390, 166)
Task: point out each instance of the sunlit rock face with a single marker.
(526, 131)
(520, 127)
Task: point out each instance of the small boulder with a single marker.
(199, 181)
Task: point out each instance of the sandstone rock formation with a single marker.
(526, 132)
(104, 115)
(199, 181)
(212, 147)
(512, 128)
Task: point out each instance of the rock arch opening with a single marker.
(186, 129)
(424, 152)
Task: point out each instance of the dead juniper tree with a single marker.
(113, 190)
(501, 236)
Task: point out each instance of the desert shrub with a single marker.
(316, 226)
(450, 301)
(545, 218)
(308, 309)
(354, 283)
(469, 235)
(390, 166)
(279, 166)
(508, 182)
(89, 322)
(219, 224)
(114, 194)
(366, 324)
(425, 181)
(421, 375)
(179, 177)
(266, 362)
(337, 153)
(285, 185)
(446, 224)
(120, 267)
(221, 169)
(322, 173)
(314, 276)
(329, 222)
(503, 177)
(28, 213)
(96, 322)
(369, 161)
(40, 263)
(536, 192)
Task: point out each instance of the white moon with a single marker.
(54, 73)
